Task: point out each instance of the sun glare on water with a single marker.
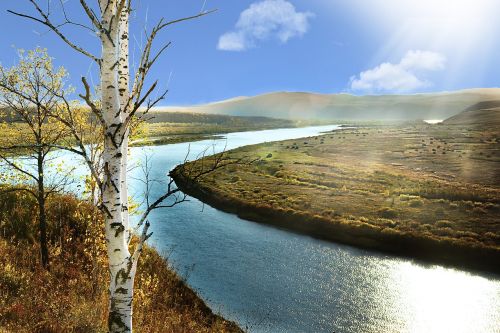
(444, 300)
(433, 121)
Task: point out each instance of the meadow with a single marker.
(427, 191)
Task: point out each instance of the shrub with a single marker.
(387, 212)
(439, 211)
(416, 203)
(444, 224)
(234, 179)
(387, 223)
(479, 210)
(280, 174)
(407, 197)
(329, 212)
(444, 232)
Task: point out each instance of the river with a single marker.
(272, 280)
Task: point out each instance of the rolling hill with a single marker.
(485, 113)
(300, 105)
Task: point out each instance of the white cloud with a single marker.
(265, 20)
(406, 76)
(425, 60)
(232, 41)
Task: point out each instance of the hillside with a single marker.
(72, 296)
(300, 105)
(482, 113)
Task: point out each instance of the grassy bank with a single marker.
(427, 191)
(72, 297)
(166, 128)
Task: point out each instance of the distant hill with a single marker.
(485, 113)
(300, 105)
(206, 118)
(188, 118)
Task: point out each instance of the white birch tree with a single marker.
(116, 111)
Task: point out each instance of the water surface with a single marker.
(272, 280)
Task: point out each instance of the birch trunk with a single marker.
(114, 194)
(115, 114)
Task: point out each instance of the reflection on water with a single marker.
(433, 121)
(445, 300)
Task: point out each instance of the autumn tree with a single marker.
(122, 96)
(28, 96)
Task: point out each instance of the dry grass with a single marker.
(389, 181)
(72, 297)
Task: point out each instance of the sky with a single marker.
(250, 47)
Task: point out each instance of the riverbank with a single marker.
(161, 128)
(427, 192)
(171, 128)
(72, 297)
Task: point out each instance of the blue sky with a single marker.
(327, 46)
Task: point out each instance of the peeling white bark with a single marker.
(114, 87)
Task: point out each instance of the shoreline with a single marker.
(429, 251)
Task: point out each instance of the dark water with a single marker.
(273, 280)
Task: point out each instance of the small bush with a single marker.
(387, 223)
(444, 224)
(444, 232)
(280, 174)
(234, 179)
(439, 211)
(416, 203)
(407, 197)
(387, 213)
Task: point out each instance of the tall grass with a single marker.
(72, 297)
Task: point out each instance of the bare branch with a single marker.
(88, 100)
(92, 16)
(164, 25)
(46, 21)
(18, 168)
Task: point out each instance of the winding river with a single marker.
(272, 280)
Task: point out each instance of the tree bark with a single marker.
(114, 114)
(42, 221)
(114, 194)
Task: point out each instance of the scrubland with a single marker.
(428, 191)
(72, 296)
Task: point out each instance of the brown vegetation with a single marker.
(423, 190)
(72, 297)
